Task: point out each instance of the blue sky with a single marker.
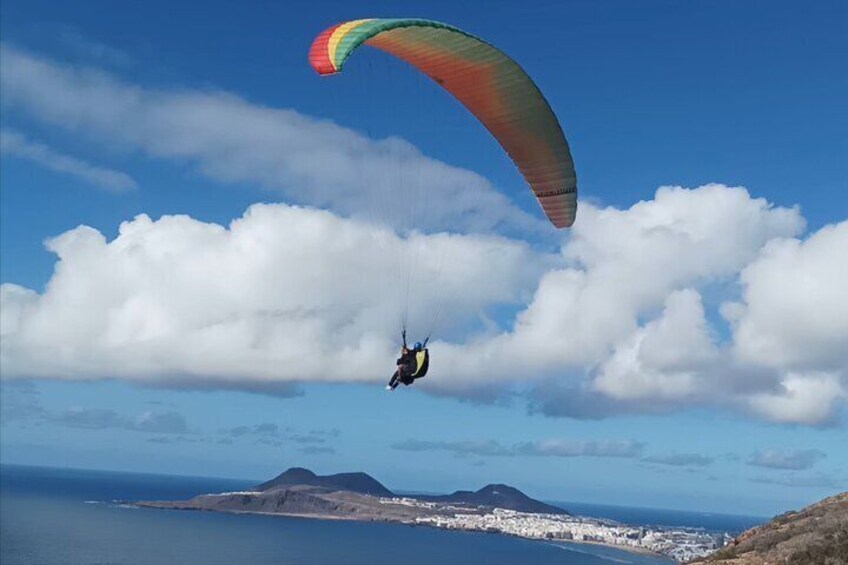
(650, 94)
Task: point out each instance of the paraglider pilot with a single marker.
(411, 365)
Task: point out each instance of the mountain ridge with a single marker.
(493, 495)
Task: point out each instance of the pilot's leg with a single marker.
(393, 382)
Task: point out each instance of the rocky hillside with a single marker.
(816, 535)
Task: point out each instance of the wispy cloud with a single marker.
(270, 441)
(311, 160)
(332, 432)
(175, 439)
(87, 48)
(317, 450)
(306, 438)
(99, 419)
(788, 459)
(551, 448)
(819, 480)
(263, 429)
(14, 144)
(19, 402)
(680, 459)
(268, 433)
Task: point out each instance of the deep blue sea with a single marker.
(68, 516)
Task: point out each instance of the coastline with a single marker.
(628, 548)
(332, 517)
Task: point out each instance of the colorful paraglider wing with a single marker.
(491, 85)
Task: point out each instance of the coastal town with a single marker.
(680, 544)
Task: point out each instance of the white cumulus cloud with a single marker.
(665, 357)
(283, 294)
(795, 310)
(622, 267)
(802, 398)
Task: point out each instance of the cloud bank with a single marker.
(288, 295)
(680, 459)
(696, 297)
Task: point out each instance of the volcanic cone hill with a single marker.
(360, 483)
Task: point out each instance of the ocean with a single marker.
(69, 516)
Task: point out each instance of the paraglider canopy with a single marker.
(486, 81)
